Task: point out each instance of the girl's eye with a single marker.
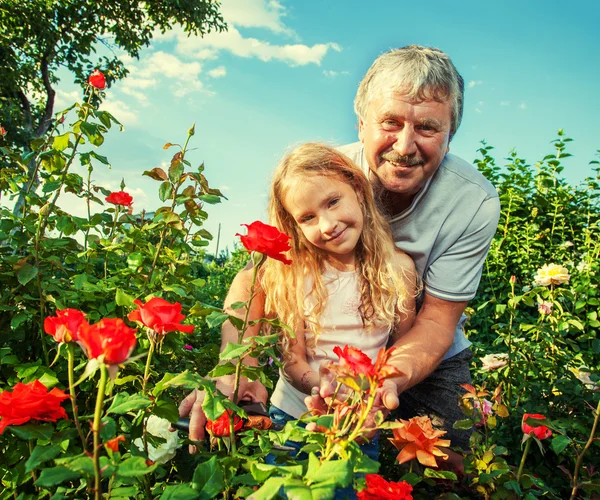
(305, 219)
(334, 202)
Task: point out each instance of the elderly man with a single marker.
(442, 212)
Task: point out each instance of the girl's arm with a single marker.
(297, 369)
(405, 267)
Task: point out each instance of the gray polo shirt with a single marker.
(447, 230)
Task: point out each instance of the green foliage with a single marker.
(37, 37)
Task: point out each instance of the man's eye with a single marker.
(388, 124)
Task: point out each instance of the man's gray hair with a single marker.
(420, 73)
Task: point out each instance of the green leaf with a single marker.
(338, 471)
(179, 492)
(135, 260)
(269, 489)
(56, 475)
(124, 403)
(213, 405)
(559, 443)
(216, 318)
(33, 431)
(463, 425)
(210, 199)
(26, 273)
(166, 409)
(175, 171)
(440, 474)
(61, 142)
(134, 467)
(238, 305)
(232, 351)
(124, 299)
(208, 479)
(165, 191)
(184, 379)
(222, 369)
(41, 454)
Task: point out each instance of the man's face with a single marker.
(405, 141)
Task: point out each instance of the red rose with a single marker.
(267, 240)
(64, 327)
(540, 432)
(113, 444)
(97, 80)
(160, 316)
(380, 489)
(31, 401)
(356, 360)
(110, 337)
(2, 131)
(120, 198)
(220, 427)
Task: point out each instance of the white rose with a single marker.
(159, 427)
(551, 274)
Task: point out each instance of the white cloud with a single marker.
(233, 41)
(477, 110)
(159, 66)
(224, 188)
(64, 99)
(472, 83)
(332, 74)
(120, 110)
(522, 105)
(256, 14)
(504, 103)
(218, 72)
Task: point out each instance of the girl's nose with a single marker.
(327, 225)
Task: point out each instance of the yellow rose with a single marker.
(551, 274)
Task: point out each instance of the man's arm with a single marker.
(422, 348)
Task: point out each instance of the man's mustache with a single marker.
(409, 161)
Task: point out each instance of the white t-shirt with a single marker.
(447, 230)
(341, 324)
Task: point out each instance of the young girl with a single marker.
(347, 283)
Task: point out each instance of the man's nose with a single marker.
(406, 144)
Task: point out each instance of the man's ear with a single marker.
(360, 130)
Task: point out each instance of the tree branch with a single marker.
(19, 94)
(46, 119)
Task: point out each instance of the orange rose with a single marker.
(417, 438)
(113, 444)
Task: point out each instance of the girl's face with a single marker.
(328, 212)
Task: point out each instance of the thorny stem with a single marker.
(96, 430)
(583, 452)
(174, 196)
(522, 464)
(71, 365)
(39, 287)
(509, 340)
(238, 366)
(89, 208)
(110, 236)
(148, 363)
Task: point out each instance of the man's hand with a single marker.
(192, 405)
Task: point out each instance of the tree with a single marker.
(37, 37)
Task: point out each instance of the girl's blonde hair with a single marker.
(382, 288)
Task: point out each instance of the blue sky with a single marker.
(286, 73)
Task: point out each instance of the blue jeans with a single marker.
(280, 418)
